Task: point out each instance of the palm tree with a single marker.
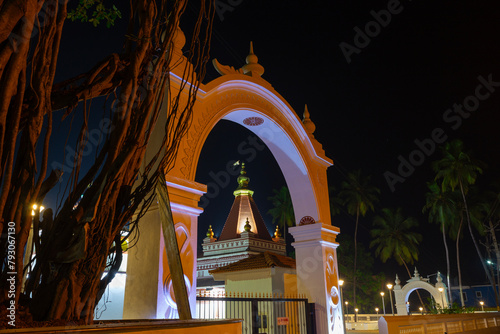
(358, 196)
(282, 211)
(441, 207)
(393, 237)
(458, 170)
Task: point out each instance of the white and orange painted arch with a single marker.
(250, 101)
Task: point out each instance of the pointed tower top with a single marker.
(244, 213)
(308, 124)
(252, 66)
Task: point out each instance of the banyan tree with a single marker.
(77, 242)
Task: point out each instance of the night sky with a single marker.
(394, 88)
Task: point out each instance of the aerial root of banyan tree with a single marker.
(83, 238)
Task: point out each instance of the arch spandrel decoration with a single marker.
(237, 97)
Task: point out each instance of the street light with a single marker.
(421, 310)
(376, 310)
(383, 302)
(440, 289)
(341, 282)
(35, 209)
(482, 306)
(347, 308)
(389, 286)
(494, 268)
(356, 315)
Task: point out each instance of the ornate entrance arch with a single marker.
(248, 102)
(243, 97)
(401, 294)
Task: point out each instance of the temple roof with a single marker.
(258, 261)
(244, 209)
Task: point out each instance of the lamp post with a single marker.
(421, 310)
(376, 310)
(383, 302)
(389, 286)
(356, 314)
(482, 306)
(442, 299)
(341, 282)
(496, 270)
(35, 218)
(347, 308)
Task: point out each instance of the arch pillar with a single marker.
(317, 273)
(148, 289)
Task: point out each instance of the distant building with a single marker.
(474, 294)
(244, 245)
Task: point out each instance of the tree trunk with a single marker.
(458, 265)
(354, 280)
(66, 280)
(476, 245)
(447, 261)
(497, 253)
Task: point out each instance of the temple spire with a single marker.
(244, 215)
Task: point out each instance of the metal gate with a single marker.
(261, 314)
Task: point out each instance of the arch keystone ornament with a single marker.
(401, 293)
(241, 96)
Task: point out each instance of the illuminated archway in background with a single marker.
(401, 293)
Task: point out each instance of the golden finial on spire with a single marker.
(243, 181)
(277, 233)
(210, 233)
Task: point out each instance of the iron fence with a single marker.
(260, 314)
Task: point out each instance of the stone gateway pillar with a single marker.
(317, 273)
(149, 293)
